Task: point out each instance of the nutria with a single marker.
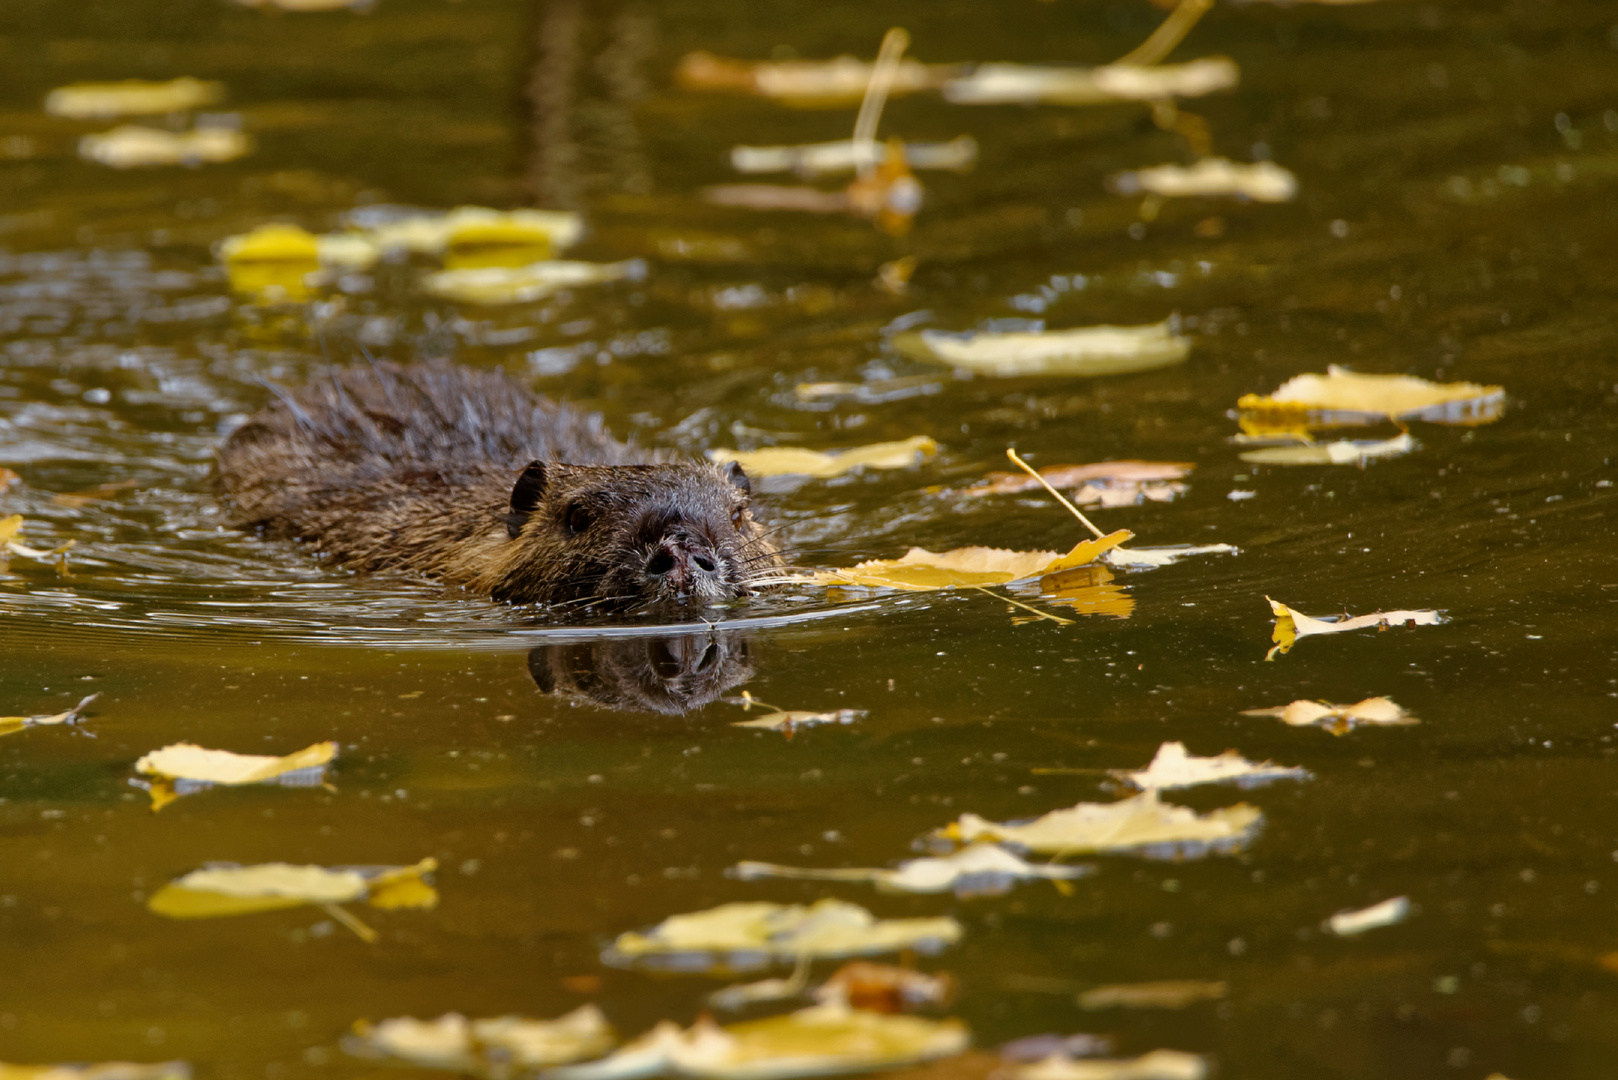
(470, 478)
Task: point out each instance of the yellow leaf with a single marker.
(1338, 719)
(493, 285)
(229, 889)
(975, 870)
(1157, 1065)
(1342, 397)
(757, 934)
(795, 718)
(803, 83)
(9, 527)
(1338, 452)
(187, 761)
(1089, 351)
(1291, 624)
(920, 570)
(480, 1046)
(404, 887)
(471, 228)
(1173, 767)
(1141, 825)
(108, 1070)
(132, 97)
(1387, 913)
(792, 460)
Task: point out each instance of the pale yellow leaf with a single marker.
(1336, 452)
(788, 720)
(822, 159)
(494, 285)
(187, 761)
(1387, 913)
(792, 460)
(1088, 351)
(920, 570)
(975, 870)
(1262, 181)
(1157, 1065)
(1005, 84)
(454, 1042)
(1131, 474)
(1142, 825)
(132, 97)
(237, 890)
(132, 146)
(1173, 767)
(107, 1070)
(1346, 397)
(757, 934)
(473, 227)
(822, 1040)
(805, 83)
(1291, 624)
(1338, 719)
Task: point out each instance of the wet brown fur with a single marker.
(468, 477)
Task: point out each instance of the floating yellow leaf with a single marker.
(11, 724)
(975, 870)
(279, 260)
(1157, 1065)
(1141, 558)
(1338, 719)
(108, 1070)
(1004, 84)
(821, 159)
(7, 478)
(805, 83)
(1174, 994)
(468, 231)
(1089, 351)
(1387, 913)
(132, 97)
(1263, 181)
(1291, 624)
(492, 285)
(793, 460)
(184, 768)
(1342, 397)
(230, 889)
(822, 1040)
(1142, 825)
(757, 934)
(1337, 452)
(491, 1048)
(921, 570)
(1173, 767)
(133, 146)
(10, 527)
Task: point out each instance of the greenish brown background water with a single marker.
(1456, 220)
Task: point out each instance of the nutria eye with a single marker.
(579, 518)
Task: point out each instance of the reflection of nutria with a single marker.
(655, 674)
(466, 476)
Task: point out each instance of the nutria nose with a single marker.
(681, 561)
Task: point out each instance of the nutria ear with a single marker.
(526, 494)
(738, 476)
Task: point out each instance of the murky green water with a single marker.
(1456, 220)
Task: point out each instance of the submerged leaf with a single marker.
(1387, 913)
(1263, 181)
(791, 719)
(1175, 994)
(1337, 452)
(1157, 1065)
(1174, 768)
(822, 1040)
(133, 146)
(1338, 719)
(740, 936)
(490, 1048)
(132, 97)
(1342, 397)
(231, 889)
(1291, 624)
(1142, 825)
(920, 570)
(1088, 351)
(792, 460)
(975, 870)
(491, 285)
(1004, 84)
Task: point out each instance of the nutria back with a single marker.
(467, 476)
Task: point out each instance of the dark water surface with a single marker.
(1457, 219)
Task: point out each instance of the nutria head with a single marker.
(630, 536)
